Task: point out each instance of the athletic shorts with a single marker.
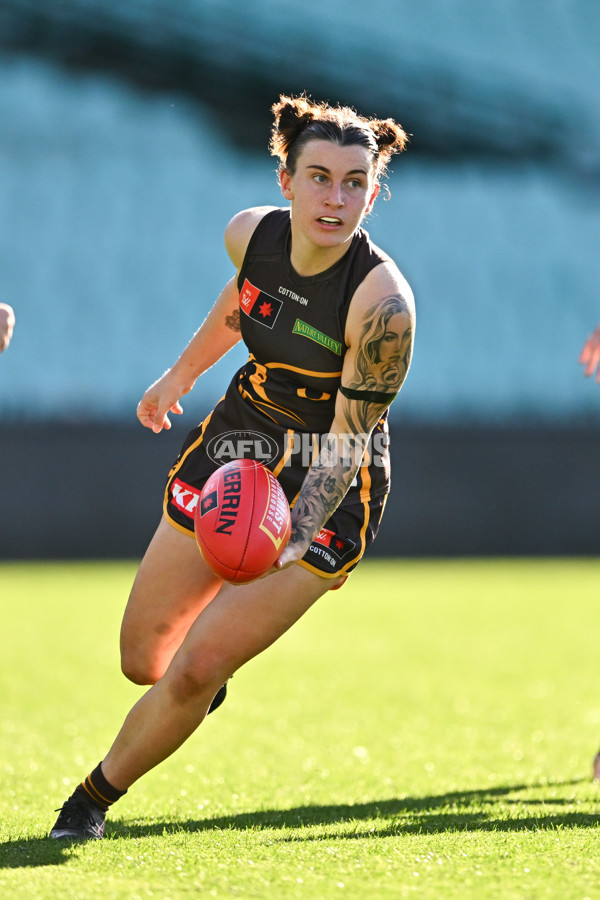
(336, 549)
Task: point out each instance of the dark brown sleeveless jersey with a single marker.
(282, 399)
(294, 325)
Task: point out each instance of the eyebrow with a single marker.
(328, 171)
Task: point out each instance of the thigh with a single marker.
(172, 587)
(242, 621)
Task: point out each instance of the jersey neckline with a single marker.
(326, 274)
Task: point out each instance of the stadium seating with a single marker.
(131, 134)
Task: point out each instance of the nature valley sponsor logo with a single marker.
(308, 331)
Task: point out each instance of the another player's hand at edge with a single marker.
(7, 323)
(590, 355)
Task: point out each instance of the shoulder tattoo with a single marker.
(385, 347)
(233, 321)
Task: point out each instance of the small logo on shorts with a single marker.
(230, 445)
(331, 547)
(185, 497)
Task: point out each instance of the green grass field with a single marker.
(427, 732)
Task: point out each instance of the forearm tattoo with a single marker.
(326, 484)
(233, 321)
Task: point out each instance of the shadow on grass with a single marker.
(490, 809)
(33, 852)
(486, 809)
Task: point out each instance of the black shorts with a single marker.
(340, 544)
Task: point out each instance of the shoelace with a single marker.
(71, 816)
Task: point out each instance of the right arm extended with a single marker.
(219, 332)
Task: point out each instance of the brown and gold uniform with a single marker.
(282, 400)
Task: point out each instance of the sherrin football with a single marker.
(242, 521)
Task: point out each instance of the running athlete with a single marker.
(328, 321)
(7, 323)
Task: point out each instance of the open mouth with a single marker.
(330, 220)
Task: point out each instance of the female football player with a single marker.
(328, 321)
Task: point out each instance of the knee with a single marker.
(137, 669)
(197, 680)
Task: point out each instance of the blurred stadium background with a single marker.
(131, 131)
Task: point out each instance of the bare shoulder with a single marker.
(384, 288)
(379, 334)
(239, 230)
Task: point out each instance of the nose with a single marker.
(335, 196)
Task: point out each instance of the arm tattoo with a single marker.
(385, 346)
(325, 485)
(380, 367)
(382, 360)
(233, 321)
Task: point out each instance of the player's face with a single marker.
(332, 189)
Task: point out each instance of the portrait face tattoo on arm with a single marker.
(383, 357)
(382, 360)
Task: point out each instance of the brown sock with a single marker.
(98, 790)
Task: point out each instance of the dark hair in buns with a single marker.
(298, 120)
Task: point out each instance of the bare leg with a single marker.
(172, 587)
(237, 625)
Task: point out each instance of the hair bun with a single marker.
(389, 135)
(290, 113)
(291, 116)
